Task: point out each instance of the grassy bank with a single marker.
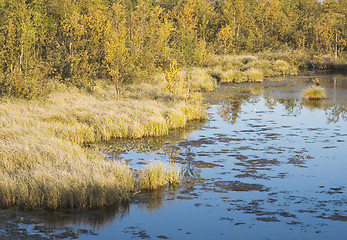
(250, 68)
(46, 158)
(45, 161)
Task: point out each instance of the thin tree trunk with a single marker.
(20, 58)
(336, 48)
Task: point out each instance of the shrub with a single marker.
(16, 84)
(175, 82)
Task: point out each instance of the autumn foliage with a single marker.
(77, 42)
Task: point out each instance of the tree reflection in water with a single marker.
(231, 107)
(336, 113)
(189, 168)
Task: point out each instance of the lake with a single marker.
(266, 164)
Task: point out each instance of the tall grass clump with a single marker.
(233, 76)
(254, 75)
(181, 113)
(158, 174)
(314, 93)
(199, 79)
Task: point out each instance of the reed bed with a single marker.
(239, 69)
(200, 79)
(44, 159)
(54, 173)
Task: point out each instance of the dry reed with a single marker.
(43, 159)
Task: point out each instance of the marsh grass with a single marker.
(314, 93)
(233, 76)
(158, 174)
(53, 173)
(199, 79)
(44, 161)
(254, 75)
(246, 68)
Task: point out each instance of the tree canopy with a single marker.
(78, 41)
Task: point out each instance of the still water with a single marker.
(265, 165)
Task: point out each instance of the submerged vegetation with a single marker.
(314, 93)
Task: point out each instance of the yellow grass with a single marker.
(201, 80)
(43, 159)
(314, 93)
(254, 75)
(158, 174)
(54, 173)
(233, 76)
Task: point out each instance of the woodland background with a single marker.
(80, 41)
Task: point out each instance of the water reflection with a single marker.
(313, 104)
(231, 107)
(245, 175)
(271, 103)
(336, 113)
(95, 219)
(292, 106)
(153, 201)
(189, 169)
(100, 218)
(290, 97)
(113, 149)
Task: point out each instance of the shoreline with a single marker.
(44, 141)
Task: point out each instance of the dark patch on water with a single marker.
(196, 143)
(268, 219)
(335, 217)
(136, 232)
(239, 186)
(265, 158)
(163, 237)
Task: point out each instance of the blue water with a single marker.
(280, 172)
